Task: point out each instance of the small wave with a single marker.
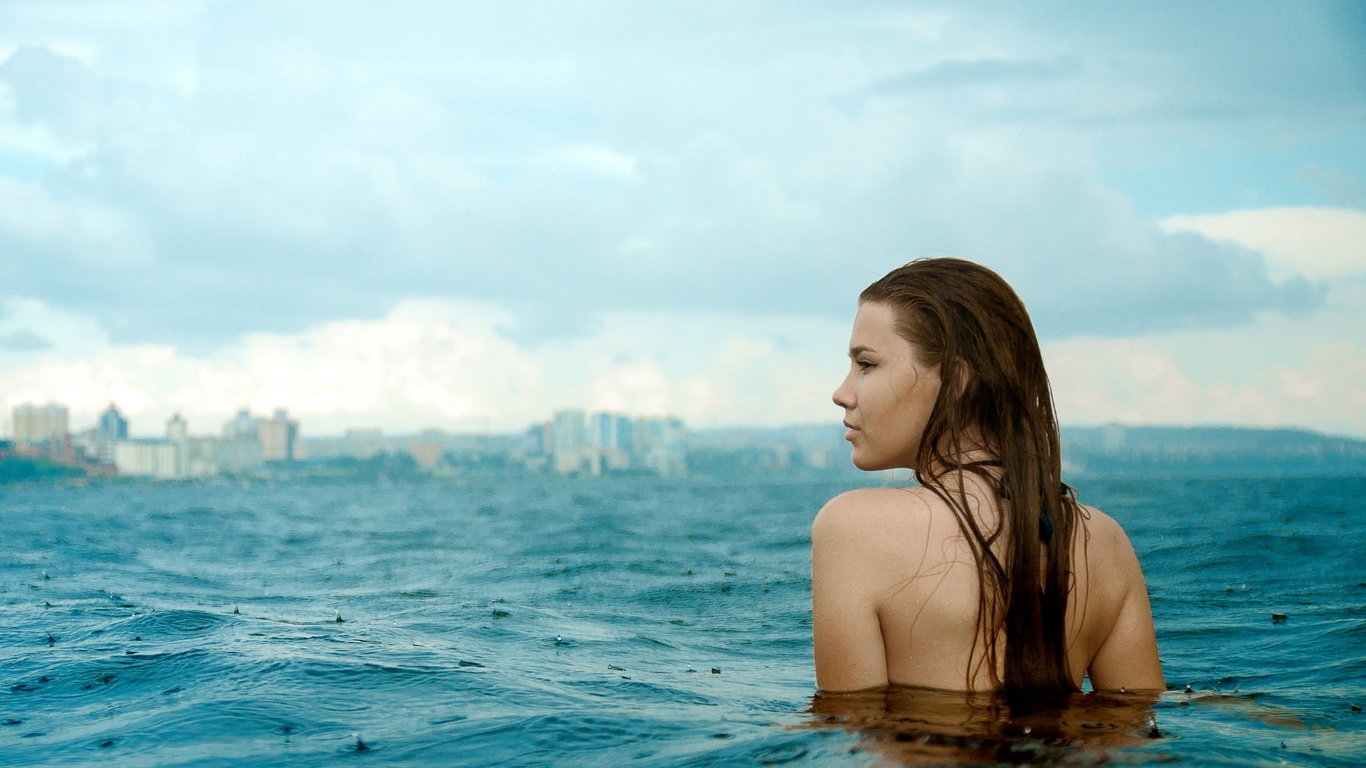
(171, 622)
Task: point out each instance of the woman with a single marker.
(987, 575)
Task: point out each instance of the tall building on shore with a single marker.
(240, 449)
(177, 431)
(612, 439)
(569, 441)
(112, 426)
(36, 425)
(97, 443)
(243, 426)
(659, 444)
(109, 431)
(605, 443)
(178, 434)
(278, 436)
(155, 459)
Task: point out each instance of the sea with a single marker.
(596, 622)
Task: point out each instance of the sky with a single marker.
(464, 216)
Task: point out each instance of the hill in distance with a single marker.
(1087, 451)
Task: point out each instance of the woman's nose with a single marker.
(841, 395)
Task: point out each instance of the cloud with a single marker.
(442, 364)
(56, 90)
(23, 340)
(62, 234)
(1139, 381)
(1318, 243)
(247, 177)
(1027, 205)
(1338, 186)
(977, 72)
(1196, 66)
(1120, 380)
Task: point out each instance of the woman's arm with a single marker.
(1128, 658)
(844, 614)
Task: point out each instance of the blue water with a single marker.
(597, 622)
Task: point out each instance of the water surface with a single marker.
(582, 622)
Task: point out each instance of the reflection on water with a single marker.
(920, 726)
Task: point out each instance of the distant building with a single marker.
(92, 446)
(626, 433)
(609, 442)
(195, 456)
(40, 424)
(239, 450)
(97, 443)
(660, 447)
(278, 435)
(155, 459)
(236, 456)
(539, 439)
(611, 437)
(535, 447)
(110, 430)
(176, 429)
(569, 441)
(243, 426)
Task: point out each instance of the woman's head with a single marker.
(972, 395)
(889, 393)
(966, 323)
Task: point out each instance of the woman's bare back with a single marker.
(895, 596)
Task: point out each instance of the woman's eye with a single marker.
(863, 364)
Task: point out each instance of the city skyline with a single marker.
(463, 217)
(8, 429)
(568, 442)
(577, 443)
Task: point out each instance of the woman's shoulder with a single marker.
(1117, 641)
(875, 514)
(864, 542)
(1102, 531)
(1106, 548)
(876, 502)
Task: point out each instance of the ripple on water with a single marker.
(653, 579)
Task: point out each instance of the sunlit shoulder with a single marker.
(871, 510)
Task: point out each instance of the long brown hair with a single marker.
(995, 401)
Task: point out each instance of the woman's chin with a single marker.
(869, 463)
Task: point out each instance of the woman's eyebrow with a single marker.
(859, 350)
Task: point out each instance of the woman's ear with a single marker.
(961, 375)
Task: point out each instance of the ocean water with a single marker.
(596, 622)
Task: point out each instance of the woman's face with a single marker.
(888, 395)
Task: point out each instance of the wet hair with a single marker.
(995, 401)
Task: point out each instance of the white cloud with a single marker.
(670, 209)
(639, 387)
(360, 156)
(34, 142)
(1139, 381)
(80, 232)
(442, 364)
(71, 335)
(594, 160)
(1317, 243)
(1124, 380)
